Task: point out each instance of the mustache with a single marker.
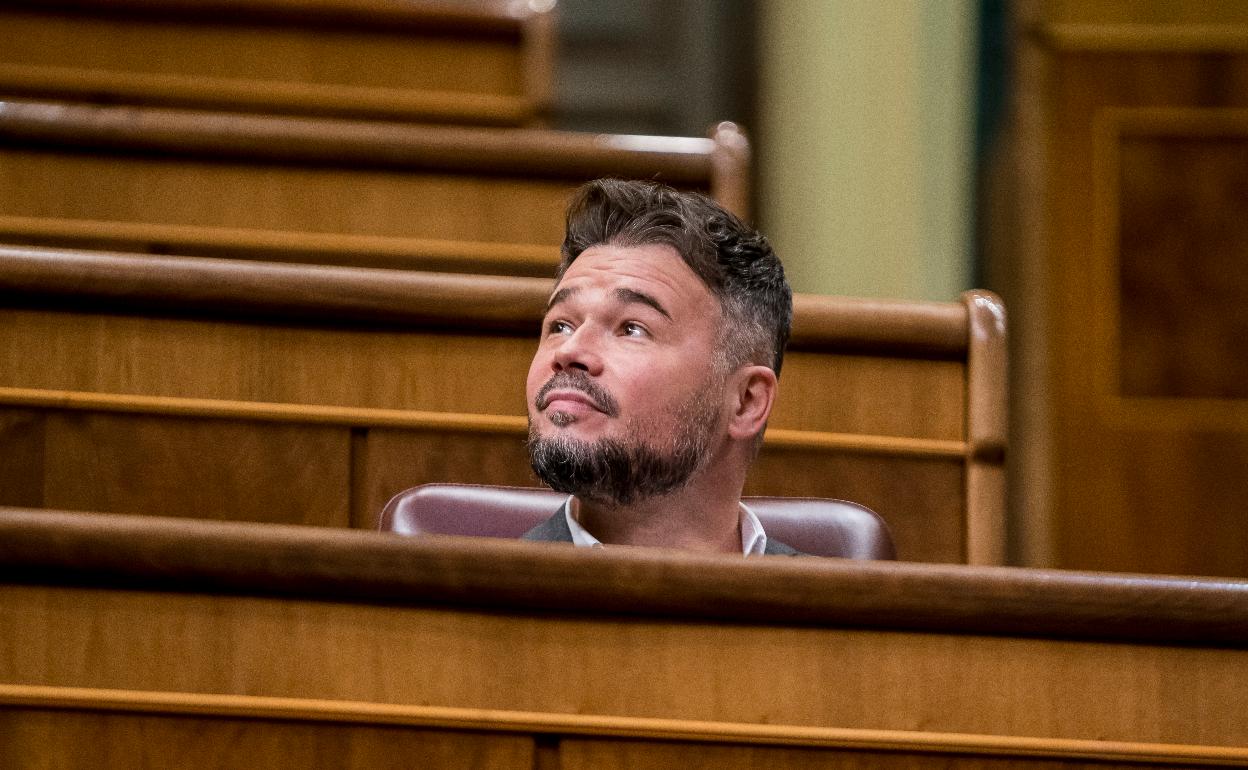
(578, 380)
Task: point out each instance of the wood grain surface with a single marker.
(476, 63)
(578, 738)
(165, 180)
(1128, 165)
(210, 637)
(290, 560)
(421, 371)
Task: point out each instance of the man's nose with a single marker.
(579, 350)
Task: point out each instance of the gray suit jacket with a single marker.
(555, 530)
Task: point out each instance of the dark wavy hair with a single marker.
(735, 262)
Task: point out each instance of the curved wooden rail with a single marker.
(500, 16)
(264, 559)
(528, 152)
(325, 294)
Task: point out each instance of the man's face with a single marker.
(625, 394)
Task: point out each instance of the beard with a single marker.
(620, 471)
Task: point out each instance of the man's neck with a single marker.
(693, 518)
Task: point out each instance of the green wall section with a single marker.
(865, 144)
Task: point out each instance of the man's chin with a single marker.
(561, 423)
(562, 419)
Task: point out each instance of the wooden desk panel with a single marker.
(614, 657)
(88, 738)
(378, 368)
(276, 198)
(393, 368)
(363, 382)
(572, 665)
(480, 63)
(381, 194)
(205, 469)
(922, 499)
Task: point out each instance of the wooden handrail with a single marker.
(227, 287)
(164, 554)
(496, 16)
(328, 295)
(851, 324)
(528, 152)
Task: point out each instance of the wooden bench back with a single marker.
(482, 62)
(311, 394)
(323, 191)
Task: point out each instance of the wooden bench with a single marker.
(171, 643)
(327, 191)
(482, 62)
(260, 391)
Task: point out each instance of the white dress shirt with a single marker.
(753, 538)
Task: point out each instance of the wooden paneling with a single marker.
(640, 755)
(391, 369)
(354, 384)
(481, 63)
(280, 198)
(265, 362)
(922, 499)
(265, 471)
(1126, 274)
(390, 461)
(132, 625)
(1112, 15)
(206, 469)
(21, 473)
(1183, 224)
(321, 190)
(1157, 469)
(86, 740)
(872, 394)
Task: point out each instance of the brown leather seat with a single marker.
(812, 526)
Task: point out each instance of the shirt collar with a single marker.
(753, 538)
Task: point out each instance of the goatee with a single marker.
(610, 472)
(619, 471)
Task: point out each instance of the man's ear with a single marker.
(753, 394)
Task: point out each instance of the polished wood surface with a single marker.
(283, 291)
(987, 428)
(88, 738)
(133, 628)
(297, 474)
(935, 330)
(482, 63)
(207, 369)
(439, 255)
(251, 723)
(1183, 321)
(204, 135)
(272, 560)
(343, 192)
(1128, 164)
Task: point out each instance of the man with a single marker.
(656, 371)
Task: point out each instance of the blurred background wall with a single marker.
(861, 113)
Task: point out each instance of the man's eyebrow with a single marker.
(560, 296)
(626, 296)
(632, 295)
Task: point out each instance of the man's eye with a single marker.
(558, 327)
(633, 329)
